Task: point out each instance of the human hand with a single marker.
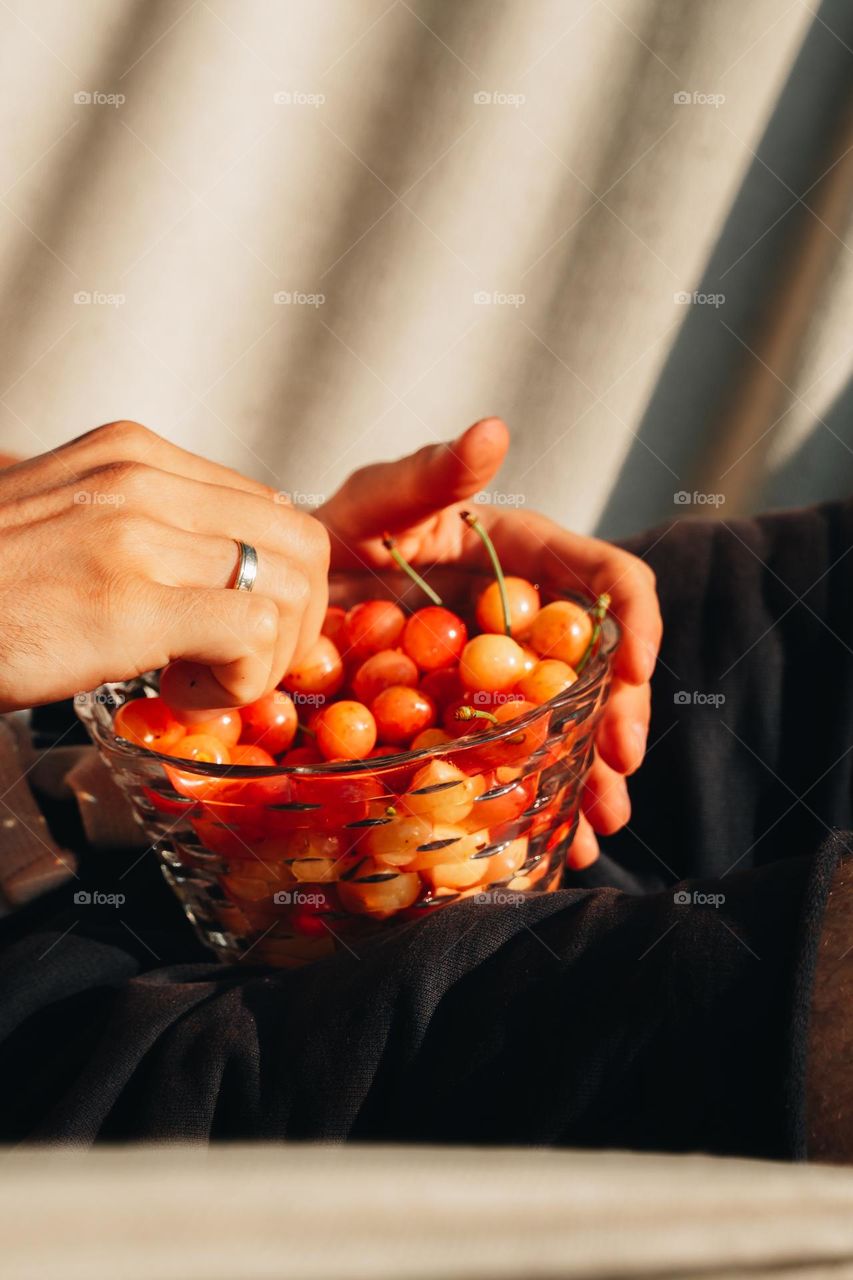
(418, 500)
(115, 552)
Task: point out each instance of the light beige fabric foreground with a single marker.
(500, 205)
(305, 1213)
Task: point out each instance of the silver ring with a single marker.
(247, 569)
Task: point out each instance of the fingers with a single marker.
(605, 799)
(398, 495)
(584, 848)
(622, 732)
(121, 442)
(183, 532)
(226, 640)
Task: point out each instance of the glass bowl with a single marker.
(287, 864)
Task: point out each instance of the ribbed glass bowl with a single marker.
(275, 863)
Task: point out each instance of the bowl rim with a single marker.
(596, 671)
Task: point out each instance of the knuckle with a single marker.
(123, 434)
(130, 539)
(261, 622)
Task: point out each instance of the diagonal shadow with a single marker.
(706, 366)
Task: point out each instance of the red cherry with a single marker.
(249, 754)
(333, 625)
(523, 601)
(372, 626)
(433, 737)
(224, 725)
(299, 757)
(202, 747)
(401, 712)
(148, 722)
(321, 671)
(380, 671)
(434, 637)
(271, 722)
(443, 686)
(345, 731)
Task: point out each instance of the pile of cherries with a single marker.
(378, 683)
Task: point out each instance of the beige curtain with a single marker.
(302, 234)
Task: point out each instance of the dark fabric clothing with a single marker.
(613, 1013)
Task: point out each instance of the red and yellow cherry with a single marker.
(321, 671)
(378, 892)
(434, 637)
(271, 722)
(529, 659)
(562, 630)
(510, 800)
(455, 865)
(428, 738)
(381, 671)
(371, 626)
(396, 841)
(402, 712)
(522, 600)
(225, 725)
(507, 861)
(345, 731)
(333, 625)
(548, 678)
(441, 792)
(515, 746)
(203, 748)
(491, 662)
(149, 722)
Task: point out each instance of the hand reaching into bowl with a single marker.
(418, 500)
(115, 552)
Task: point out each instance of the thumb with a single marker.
(394, 496)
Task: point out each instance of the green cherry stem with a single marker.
(474, 522)
(474, 713)
(399, 559)
(599, 612)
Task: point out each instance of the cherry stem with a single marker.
(474, 522)
(475, 713)
(399, 559)
(599, 612)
